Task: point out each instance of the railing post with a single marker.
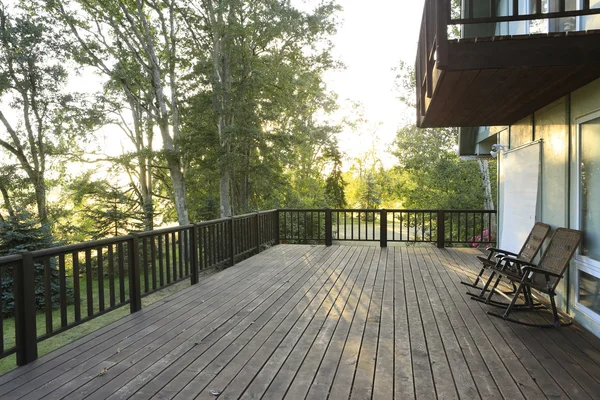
(328, 228)
(135, 293)
(194, 254)
(231, 242)
(443, 16)
(257, 232)
(276, 227)
(441, 229)
(383, 228)
(25, 329)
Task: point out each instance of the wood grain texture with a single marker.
(315, 322)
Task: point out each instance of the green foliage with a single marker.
(20, 233)
(430, 173)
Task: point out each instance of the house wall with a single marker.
(584, 102)
(556, 125)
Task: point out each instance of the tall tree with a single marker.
(44, 118)
(264, 62)
(146, 32)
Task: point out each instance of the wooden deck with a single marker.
(312, 322)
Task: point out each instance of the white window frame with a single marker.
(583, 263)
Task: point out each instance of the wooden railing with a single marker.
(65, 286)
(442, 227)
(440, 16)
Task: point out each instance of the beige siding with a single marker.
(551, 125)
(521, 132)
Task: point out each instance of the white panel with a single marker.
(519, 182)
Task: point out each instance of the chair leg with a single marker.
(493, 290)
(487, 284)
(474, 284)
(556, 323)
(513, 301)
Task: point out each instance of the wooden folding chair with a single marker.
(543, 277)
(530, 248)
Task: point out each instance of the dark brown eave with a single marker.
(500, 80)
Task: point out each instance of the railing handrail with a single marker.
(523, 17)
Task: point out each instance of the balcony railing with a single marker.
(69, 285)
(444, 23)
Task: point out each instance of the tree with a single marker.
(335, 185)
(432, 175)
(44, 119)
(140, 39)
(264, 63)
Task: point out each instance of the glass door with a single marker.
(588, 260)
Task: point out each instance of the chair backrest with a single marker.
(556, 258)
(534, 241)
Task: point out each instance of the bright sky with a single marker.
(373, 38)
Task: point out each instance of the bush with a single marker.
(20, 233)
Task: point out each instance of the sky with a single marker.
(373, 38)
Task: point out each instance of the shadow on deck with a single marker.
(312, 322)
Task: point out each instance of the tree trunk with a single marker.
(7, 201)
(171, 149)
(40, 198)
(488, 202)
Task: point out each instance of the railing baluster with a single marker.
(232, 241)
(135, 295)
(174, 254)
(193, 243)
(258, 230)
(47, 294)
(153, 257)
(100, 279)
(111, 276)
(328, 228)
(168, 258)
(89, 282)
(121, 255)
(145, 263)
(182, 254)
(62, 272)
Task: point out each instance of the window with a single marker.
(591, 21)
(589, 291)
(588, 190)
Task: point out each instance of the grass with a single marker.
(54, 342)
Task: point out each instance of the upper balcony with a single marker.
(493, 62)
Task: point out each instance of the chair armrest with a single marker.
(500, 251)
(529, 268)
(515, 260)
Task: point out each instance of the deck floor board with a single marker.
(310, 322)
